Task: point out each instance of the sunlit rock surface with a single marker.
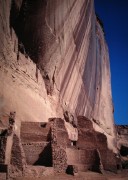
(54, 58)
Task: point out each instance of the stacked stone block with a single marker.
(59, 144)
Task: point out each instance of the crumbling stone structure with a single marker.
(3, 140)
(59, 143)
(49, 145)
(6, 135)
(90, 151)
(35, 139)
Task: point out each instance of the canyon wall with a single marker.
(54, 58)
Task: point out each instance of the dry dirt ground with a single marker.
(83, 176)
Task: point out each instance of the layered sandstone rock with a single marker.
(54, 62)
(67, 48)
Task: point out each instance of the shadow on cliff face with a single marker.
(14, 13)
(25, 22)
(124, 151)
(124, 154)
(34, 36)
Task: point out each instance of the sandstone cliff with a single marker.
(53, 59)
(55, 90)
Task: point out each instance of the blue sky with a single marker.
(114, 14)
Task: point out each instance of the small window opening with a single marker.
(73, 143)
(43, 125)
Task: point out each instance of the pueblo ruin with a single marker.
(56, 110)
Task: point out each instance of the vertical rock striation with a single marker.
(54, 58)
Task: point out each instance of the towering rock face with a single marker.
(54, 58)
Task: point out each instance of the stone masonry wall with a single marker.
(3, 140)
(59, 142)
(90, 147)
(35, 138)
